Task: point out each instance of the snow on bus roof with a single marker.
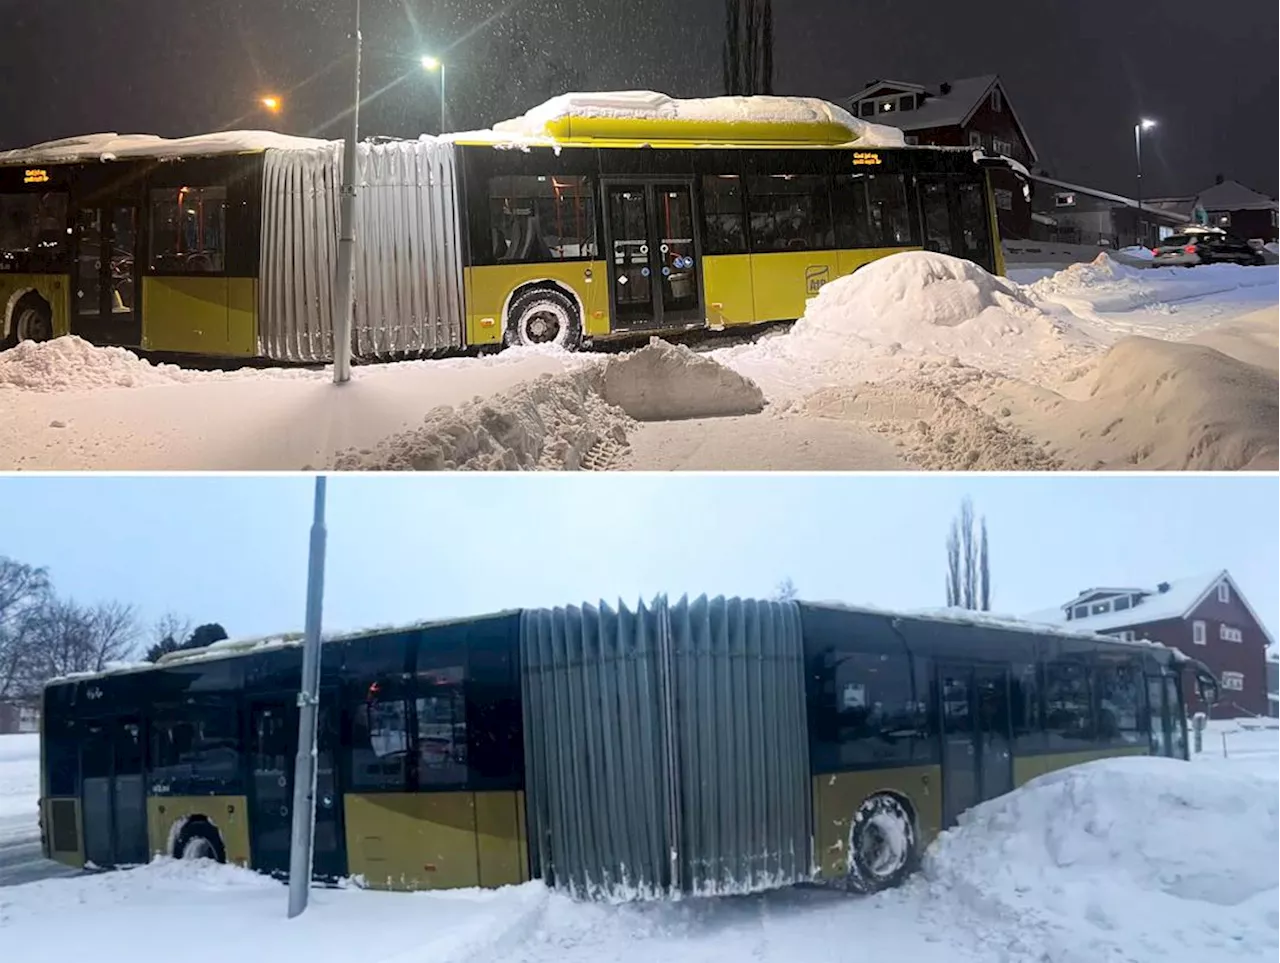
(111, 146)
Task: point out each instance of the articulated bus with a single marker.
(225, 245)
(704, 746)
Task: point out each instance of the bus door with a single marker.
(1168, 721)
(954, 218)
(273, 748)
(113, 800)
(104, 275)
(977, 757)
(655, 275)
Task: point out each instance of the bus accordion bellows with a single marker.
(224, 245)
(705, 746)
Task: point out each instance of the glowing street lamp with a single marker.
(1138, 128)
(271, 103)
(431, 64)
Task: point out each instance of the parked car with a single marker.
(1206, 247)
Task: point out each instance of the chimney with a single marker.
(1162, 587)
(1218, 179)
(944, 88)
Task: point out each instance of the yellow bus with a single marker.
(701, 746)
(225, 245)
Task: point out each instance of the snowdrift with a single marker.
(19, 778)
(1140, 856)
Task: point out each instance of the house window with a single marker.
(1099, 607)
(911, 139)
(1197, 632)
(1064, 199)
(997, 102)
(1081, 611)
(1230, 634)
(1002, 147)
(1120, 603)
(867, 108)
(1233, 681)
(1223, 219)
(887, 106)
(975, 139)
(1125, 635)
(907, 102)
(1224, 592)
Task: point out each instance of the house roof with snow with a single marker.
(1168, 600)
(1174, 217)
(1234, 196)
(954, 108)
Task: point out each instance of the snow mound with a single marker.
(71, 363)
(666, 382)
(1137, 252)
(896, 312)
(1100, 859)
(551, 422)
(649, 105)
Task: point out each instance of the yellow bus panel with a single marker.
(55, 833)
(851, 260)
(685, 132)
(837, 796)
(491, 285)
(227, 814)
(54, 288)
(1026, 768)
(726, 284)
(781, 283)
(441, 840)
(200, 315)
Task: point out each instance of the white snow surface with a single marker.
(649, 105)
(19, 778)
(106, 147)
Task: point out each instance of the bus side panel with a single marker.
(411, 841)
(503, 849)
(228, 814)
(187, 314)
(242, 317)
(726, 282)
(490, 287)
(783, 282)
(64, 830)
(837, 796)
(1026, 768)
(53, 288)
(852, 259)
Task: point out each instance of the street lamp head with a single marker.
(271, 103)
(1146, 124)
(431, 63)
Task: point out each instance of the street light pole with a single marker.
(431, 65)
(345, 280)
(1138, 128)
(304, 769)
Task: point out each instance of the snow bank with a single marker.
(1139, 858)
(648, 105)
(19, 776)
(900, 312)
(662, 381)
(554, 421)
(71, 363)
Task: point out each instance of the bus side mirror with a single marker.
(1199, 721)
(1207, 688)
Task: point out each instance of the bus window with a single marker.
(1068, 712)
(380, 742)
(872, 715)
(33, 232)
(725, 212)
(1028, 718)
(1118, 705)
(542, 218)
(790, 212)
(195, 749)
(188, 230)
(853, 213)
(442, 728)
(890, 215)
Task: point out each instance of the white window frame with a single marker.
(1126, 635)
(1064, 199)
(1199, 635)
(1100, 608)
(1224, 592)
(1229, 633)
(1004, 147)
(1076, 613)
(887, 106)
(997, 102)
(975, 138)
(1233, 681)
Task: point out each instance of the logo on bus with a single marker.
(815, 276)
(35, 175)
(863, 158)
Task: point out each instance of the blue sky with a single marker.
(406, 548)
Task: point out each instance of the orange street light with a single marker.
(272, 104)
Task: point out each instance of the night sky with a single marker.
(1079, 72)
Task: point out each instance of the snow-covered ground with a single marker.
(1140, 860)
(918, 360)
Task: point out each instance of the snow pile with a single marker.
(902, 313)
(1137, 858)
(19, 777)
(662, 382)
(648, 105)
(71, 363)
(551, 422)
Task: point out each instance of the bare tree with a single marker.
(24, 590)
(68, 637)
(170, 632)
(968, 562)
(785, 591)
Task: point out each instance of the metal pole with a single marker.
(442, 97)
(347, 235)
(304, 770)
(1137, 141)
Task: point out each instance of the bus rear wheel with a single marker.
(31, 321)
(544, 316)
(882, 844)
(199, 840)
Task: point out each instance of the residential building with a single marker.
(1230, 205)
(1073, 214)
(1206, 617)
(970, 112)
(18, 718)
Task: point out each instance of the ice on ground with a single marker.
(554, 421)
(662, 382)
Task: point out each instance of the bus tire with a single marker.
(882, 844)
(544, 316)
(32, 320)
(198, 839)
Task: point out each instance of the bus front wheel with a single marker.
(544, 316)
(31, 321)
(882, 844)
